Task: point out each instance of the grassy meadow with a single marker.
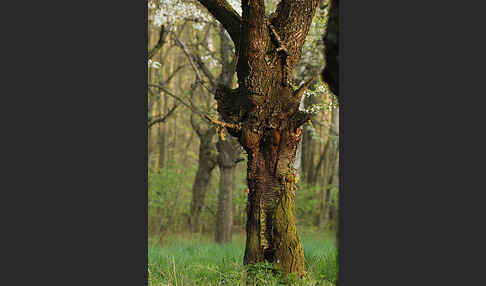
(183, 259)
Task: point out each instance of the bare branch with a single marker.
(190, 106)
(163, 118)
(164, 31)
(193, 59)
(292, 20)
(205, 70)
(189, 57)
(173, 74)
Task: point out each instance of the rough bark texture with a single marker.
(265, 117)
(207, 162)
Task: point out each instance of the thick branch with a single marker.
(292, 20)
(255, 29)
(226, 15)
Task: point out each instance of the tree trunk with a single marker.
(330, 167)
(207, 162)
(332, 214)
(309, 148)
(228, 153)
(330, 74)
(227, 159)
(263, 113)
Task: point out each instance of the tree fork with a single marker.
(266, 109)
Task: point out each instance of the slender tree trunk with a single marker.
(207, 162)
(227, 159)
(330, 166)
(308, 148)
(332, 202)
(330, 74)
(228, 154)
(163, 135)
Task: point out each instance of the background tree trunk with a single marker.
(330, 167)
(330, 74)
(228, 153)
(207, 162)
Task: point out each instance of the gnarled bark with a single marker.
(263, 114)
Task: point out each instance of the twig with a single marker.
(191, 107)
(224, 124)
(163, 34)
(200, 63)
(189, 56)
(298, 93)
(173, 74)
(163, 118)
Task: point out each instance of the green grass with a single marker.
(197, 260)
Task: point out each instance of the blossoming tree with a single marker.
(262, 112)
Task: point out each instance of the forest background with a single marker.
(197, 189)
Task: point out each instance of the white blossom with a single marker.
(154, 64)
(236, 4)
(171, 11)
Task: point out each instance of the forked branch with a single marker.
(226, 15)
(164, 31)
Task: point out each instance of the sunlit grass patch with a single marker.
(186, 260)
